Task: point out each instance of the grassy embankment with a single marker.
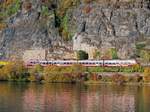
(76, 73)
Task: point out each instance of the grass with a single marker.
(115, 69)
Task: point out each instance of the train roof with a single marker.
(114, 60)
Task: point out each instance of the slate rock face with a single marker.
(26, 30)
(118, 27)
(115, 23)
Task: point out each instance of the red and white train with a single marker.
(88, 63)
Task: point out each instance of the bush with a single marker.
(3, 77)
(77, 70)
(106, 79)
(95, 77)
(36, 73)
(118, 78)
(135, 78)
(2, 26)
(138, 78)
(63, 74)
(45, 11)
(7, 9)
(57, 74)
(137, 68)
(15, 71)
(114, 53)
(147, 74)
(140, 45)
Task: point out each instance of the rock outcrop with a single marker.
(104, 24)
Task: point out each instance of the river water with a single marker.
(31, 97)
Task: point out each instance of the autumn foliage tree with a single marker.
(147, 74)
(14, 71)
(63, 74)
(36, 73)
(56, 74)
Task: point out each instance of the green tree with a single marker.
(82, 55)
(114, 53)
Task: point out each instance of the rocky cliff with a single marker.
(104, 24)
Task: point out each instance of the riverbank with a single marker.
(17, 72)
(112, 83)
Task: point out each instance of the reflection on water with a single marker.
(73, 98)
